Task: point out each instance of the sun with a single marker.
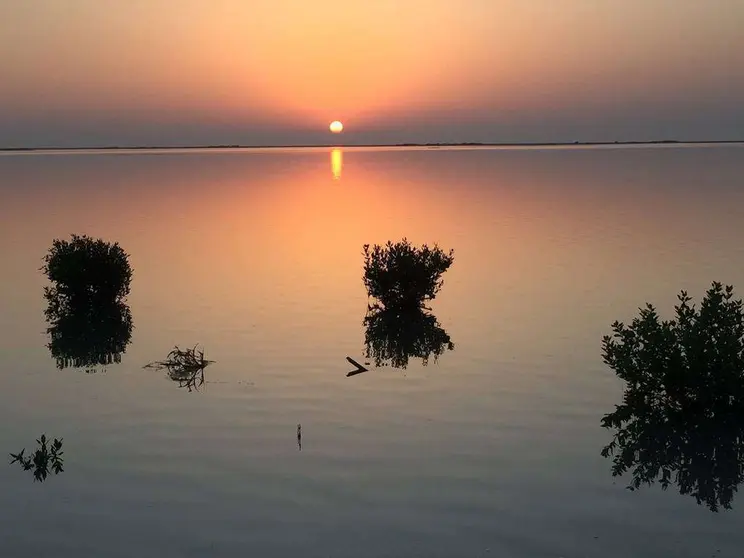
(336, 127)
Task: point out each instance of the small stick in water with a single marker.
(359, 367)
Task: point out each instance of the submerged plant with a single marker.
(402, 276)
(682, 415)
(184, 366)
(46, 458)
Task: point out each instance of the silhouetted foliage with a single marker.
(89, 323)
(402, 276)
(682, 416)
(86, 268)
(45, 458)
(185, 367)
(394, 337)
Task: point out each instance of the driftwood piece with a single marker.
(359, 367)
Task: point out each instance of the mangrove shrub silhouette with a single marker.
(46, 458)
(87, 268)
(682, 415)
(393, 337)
(402, 276)
(89, 322)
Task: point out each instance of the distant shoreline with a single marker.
(308, 146)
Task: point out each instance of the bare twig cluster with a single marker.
(184, 366)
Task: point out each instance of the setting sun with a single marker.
(336, 127)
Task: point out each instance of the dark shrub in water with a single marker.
(402, 276)
(89, 322)
(682, 415)
(88, 268)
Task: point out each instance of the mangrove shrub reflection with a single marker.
(393, 337)
(682, 415)
(89, 335)
(47, 458)
(89, 322)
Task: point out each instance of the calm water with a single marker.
(493, 450)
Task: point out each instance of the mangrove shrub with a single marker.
(88, 268)
(89, 322)
(402, 276)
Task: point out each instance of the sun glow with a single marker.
(336, 127)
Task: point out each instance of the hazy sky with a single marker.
(179, 72)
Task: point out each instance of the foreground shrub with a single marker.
(84, 267)
(682, 415)
(402, 276)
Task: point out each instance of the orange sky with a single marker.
(284, 68)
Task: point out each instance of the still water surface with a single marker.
(492, 450)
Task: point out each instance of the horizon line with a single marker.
(404, 144)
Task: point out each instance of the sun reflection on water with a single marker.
(337, 162)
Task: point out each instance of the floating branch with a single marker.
(359, 367)
(184, 366)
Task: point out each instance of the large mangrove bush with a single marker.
(682, 415)
(89, 322)
(402, 276)
(88, 269)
